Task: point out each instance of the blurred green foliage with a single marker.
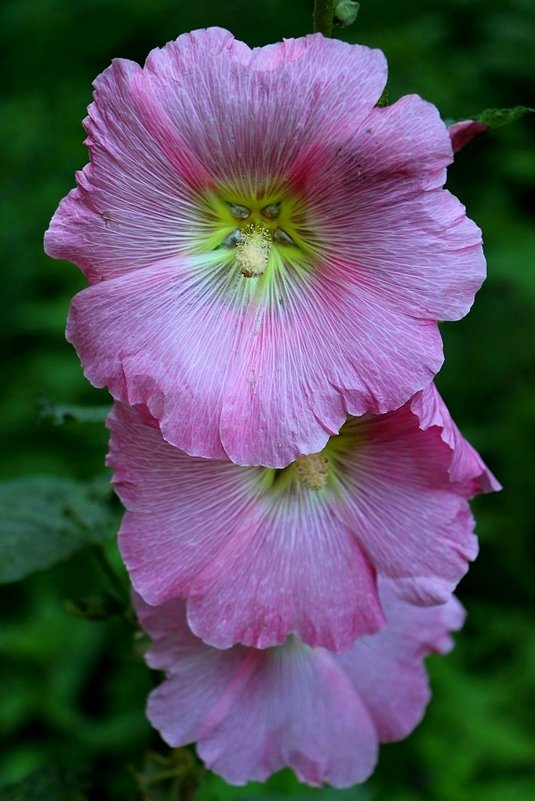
(72, 691)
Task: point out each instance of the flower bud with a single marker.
(345, 12)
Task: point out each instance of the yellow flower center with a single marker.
(261, 245)
(313, 470)
(254, 229)
(252, 250)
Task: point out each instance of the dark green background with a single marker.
(71, 691)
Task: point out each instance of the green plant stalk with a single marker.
(187, 793)
(323, 16)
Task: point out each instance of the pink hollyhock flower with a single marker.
(267, 250)
(261, 554)
(322, 714)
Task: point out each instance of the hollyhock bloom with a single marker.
(267, 249)
(261, 554)
(253, 712)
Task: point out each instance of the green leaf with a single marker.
(59, 414)
(44, 519)
(496, 117)
(51, 783)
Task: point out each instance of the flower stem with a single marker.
(186, 793)
(323, 16)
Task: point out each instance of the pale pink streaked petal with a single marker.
(298, 375)
(389, 226)
(404, 508)
(279, 707)
(181, 510)
(133, 204)
(161, 337)
(253, 712)
(246, 114)
(255, 568)
(294, 570)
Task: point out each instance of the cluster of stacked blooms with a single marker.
(268, 252)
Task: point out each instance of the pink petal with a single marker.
(390, 226)
(294, 570)
(161, 337)
(311, 706)
(246, 114)
(255, 568)
(407, 500)
(463, 132)
(181, 510)
(466, 464)
(276, 708)
(133, 204)
(258, 563)
(298, 373)
(263, 374)
(253, 712)
(395, 655)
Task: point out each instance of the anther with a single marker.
(231, 240)
(272, 211)
(313, 470)
(240, 212)
(282, 237)
(253, 250)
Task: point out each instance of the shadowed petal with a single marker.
(403, 508)
(395, 655)
(253, 712)
(296, 571)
